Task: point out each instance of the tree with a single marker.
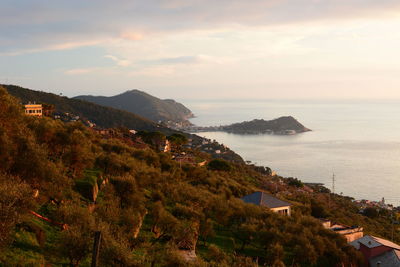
(152, 138)
(164, 223)
(371, 212)
(275, 254)
(318, 210)
(76, 241)
(294, 182)
(245, 232)
(219, 165)
(177, 140)
(206, 230)
(15, 201)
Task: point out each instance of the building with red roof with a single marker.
(378, 251)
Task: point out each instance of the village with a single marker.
(377, 251)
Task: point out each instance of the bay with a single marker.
(358, 140)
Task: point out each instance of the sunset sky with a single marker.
(203, 49)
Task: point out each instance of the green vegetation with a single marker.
(149, 208)
(106, 117)
(219, 165)
(278, 126)
(177, 139)
(143, 104)
(88, 186)
(294, 182)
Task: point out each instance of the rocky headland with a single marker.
(286, 125)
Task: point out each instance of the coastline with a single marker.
(351, 146)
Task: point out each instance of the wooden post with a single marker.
(96, 249)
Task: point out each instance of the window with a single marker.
(283, 212)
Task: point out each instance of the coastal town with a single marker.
(189, 152)
(285, 196)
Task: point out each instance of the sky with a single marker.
(186, 49)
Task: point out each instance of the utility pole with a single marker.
(96, 249)
(333, 191)
(392, 218)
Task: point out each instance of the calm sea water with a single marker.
(358, 140)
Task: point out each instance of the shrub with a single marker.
(87, 186)
(219, 165)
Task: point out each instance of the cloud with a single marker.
(120, 62)
(154, 71)
(28, 26)
(168, 66)
(53, 47)
(176, 60)
(80, 71)
(183, 60)
(132, 36)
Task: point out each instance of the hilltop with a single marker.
(282, 126)
(106, 117)
(145, 105)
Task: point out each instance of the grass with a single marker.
(86, 185)
(25, 251)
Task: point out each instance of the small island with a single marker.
(286, 125)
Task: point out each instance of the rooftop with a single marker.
(387, 259)
(373, 242)
(264, 199)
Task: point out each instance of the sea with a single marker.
(358, 141)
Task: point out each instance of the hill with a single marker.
(282, 125)
(61, 182)
(145, 105)
(106, 117)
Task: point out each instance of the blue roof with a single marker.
(266, 200)
(386, 259)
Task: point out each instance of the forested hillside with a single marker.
(278, 126)
(103, 116)
(61, 182)
(143, 104)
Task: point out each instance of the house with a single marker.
(269, 201)
(189, 159)
(183, 158)
(164, 146)
(351, 233)
(160, 144)
(378, 251)
(34, 109)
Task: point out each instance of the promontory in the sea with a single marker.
(167, 111)
(286, 125)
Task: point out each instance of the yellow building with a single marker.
(34, 109)
(351, 233)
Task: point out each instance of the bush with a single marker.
(219, 165)
(371, 212)
(294, 182)
(15, 201)
(177, 139)
(87, 186)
